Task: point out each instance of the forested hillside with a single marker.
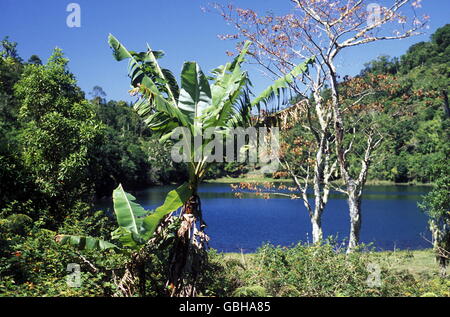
(413, 113)
(418, 133)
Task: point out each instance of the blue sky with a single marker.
(179, 27)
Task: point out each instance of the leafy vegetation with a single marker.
(324, 270)
(436, 205)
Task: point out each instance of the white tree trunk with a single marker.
(354, 204)
(317, 233)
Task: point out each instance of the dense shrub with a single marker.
(33, 264)
(311, 271)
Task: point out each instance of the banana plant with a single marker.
(136, 226)
(221, 101)
(199, 102)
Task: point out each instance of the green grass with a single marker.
(417, 262)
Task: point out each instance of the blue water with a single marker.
(390, 219)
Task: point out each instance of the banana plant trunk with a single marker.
(133, 279)
(189, 252)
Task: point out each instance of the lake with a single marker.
(390, 219)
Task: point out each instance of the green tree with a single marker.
(437, 205)
(441, 39)
(60, 132)
(9, 49)
(48, 88)
(382, 65)
(34, 59)
(98, 95)
(10, 71)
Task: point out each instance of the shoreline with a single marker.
(231, 180)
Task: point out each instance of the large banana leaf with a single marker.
(283, 82)
(166, 75)
(136, 225)
(226, 113)
(171, 82)
(195, 94)
(129, 217)
(152, 99)
(175, 199)
(230, 84)
(119, 51)
(85, 242)
(137, 72)
(221, 71)
(128, 238)
(128, 213)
